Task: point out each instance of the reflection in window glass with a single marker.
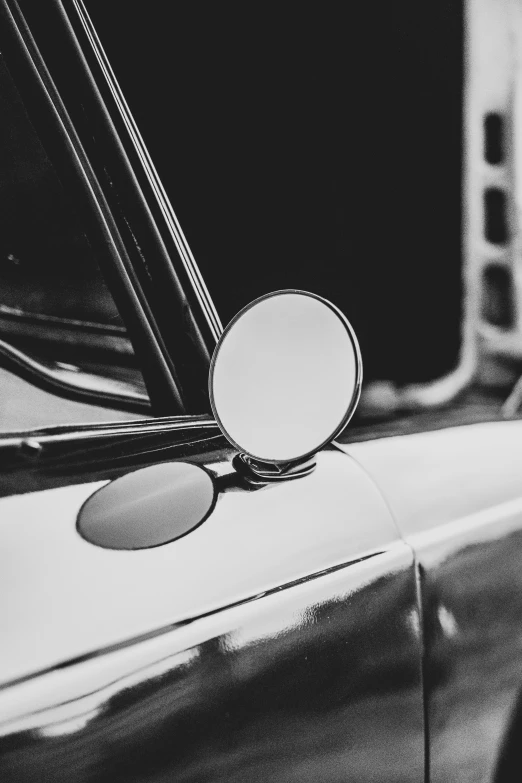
(26, 407)
(54, 303)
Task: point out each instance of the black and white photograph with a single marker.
(260, 392)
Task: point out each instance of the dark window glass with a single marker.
(54, 304)
(313, 148)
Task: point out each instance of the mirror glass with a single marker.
(285, 376)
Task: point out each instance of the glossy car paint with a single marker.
(313, 686)
(252, 541)
(316, 682)
(456, 495)
(279, 640)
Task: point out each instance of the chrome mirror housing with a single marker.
(285, 379)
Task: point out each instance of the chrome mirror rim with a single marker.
(358, 375)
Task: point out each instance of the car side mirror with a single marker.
(285, 379)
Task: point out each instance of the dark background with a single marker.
(314, 147)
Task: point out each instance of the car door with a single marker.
(280, 639)
(455, 494)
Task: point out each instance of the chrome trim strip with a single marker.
(74, 384)
(169, 629)
(168, 213)
(73, 432)
(24, 702)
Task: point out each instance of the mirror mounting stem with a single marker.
(258, 472)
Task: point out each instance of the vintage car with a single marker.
(218, 581)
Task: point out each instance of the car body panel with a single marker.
(63, 597)
(282, 639)
(279, 640)
(319, 681)
(457, 497)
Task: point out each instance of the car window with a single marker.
(56, 310)
(304, 150)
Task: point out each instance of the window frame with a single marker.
(77, 109)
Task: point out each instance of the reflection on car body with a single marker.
(345, 610)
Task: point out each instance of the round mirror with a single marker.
(285, 376)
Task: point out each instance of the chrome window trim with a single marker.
(96, 149)
(19, 48)
(72, 382)
(169, 215)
